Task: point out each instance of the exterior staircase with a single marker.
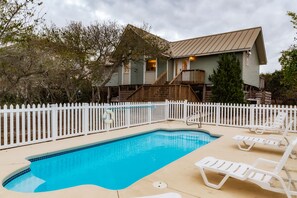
(178, 89)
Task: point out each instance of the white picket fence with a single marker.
(237, 115)
(22, 125)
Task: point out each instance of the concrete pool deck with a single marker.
(181, 176)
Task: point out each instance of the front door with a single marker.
(180, 65)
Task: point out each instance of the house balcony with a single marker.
(189, 77)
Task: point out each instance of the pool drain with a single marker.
(160, 184)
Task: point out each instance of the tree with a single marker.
(81, 54)
(18, 18)
(227, 81)
(273, 83)
(288, 60)
(21, 68)
(61, 64)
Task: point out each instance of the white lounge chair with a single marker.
(251, 173)
(165, 195)
(246, 143)
(277, 124)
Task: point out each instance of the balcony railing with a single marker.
(189, 77)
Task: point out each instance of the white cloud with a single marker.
(181, 19)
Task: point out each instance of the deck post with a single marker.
(204, 93)
(54, 121)
(108, 95)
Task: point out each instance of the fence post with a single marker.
(185, 110)
(252, 115)
(150, 112)
(218, 114)
(107, 125)
(85, 118)
(128, 114)
(54, 121)
(5, 125)
(166, 109)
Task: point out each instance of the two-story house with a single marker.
(183, 72)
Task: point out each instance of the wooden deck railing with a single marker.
(162, 79)
(163, 92)
(189, 77)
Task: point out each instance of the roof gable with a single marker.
(148, 37)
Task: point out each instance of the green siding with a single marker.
(170, 70)
(120, 75)
(114, 80)
(161, 66)
(208, 64)
(137, 72)
(251, 68)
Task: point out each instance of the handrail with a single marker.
(162, 79)
(193, 123)
(136, 91)
(178, 75)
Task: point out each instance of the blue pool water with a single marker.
(114, 165)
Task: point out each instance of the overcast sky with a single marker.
(182, 19)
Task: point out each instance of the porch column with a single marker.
(204, 93)
(144, 69)
(108, 94)
(167, 77)
(122, 73)
(156, 72)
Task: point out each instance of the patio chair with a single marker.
(245, 172)
(273, 125)
(165, 195)
(246, 143)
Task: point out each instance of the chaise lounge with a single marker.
(276, 125)
(246, 143)
(245, 172)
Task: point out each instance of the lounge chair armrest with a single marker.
(271, 137)
(259, 160)
(256, 170)
(267, 124)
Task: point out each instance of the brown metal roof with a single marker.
(236, 41)
(240, 40)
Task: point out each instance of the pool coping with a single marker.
(37, 157)
(25, 169)
(22, 163)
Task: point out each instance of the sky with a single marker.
(181, 19)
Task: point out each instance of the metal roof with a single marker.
(235, 41)
(241, 40)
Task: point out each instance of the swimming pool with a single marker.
(113, 165)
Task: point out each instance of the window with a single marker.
(151, 65)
